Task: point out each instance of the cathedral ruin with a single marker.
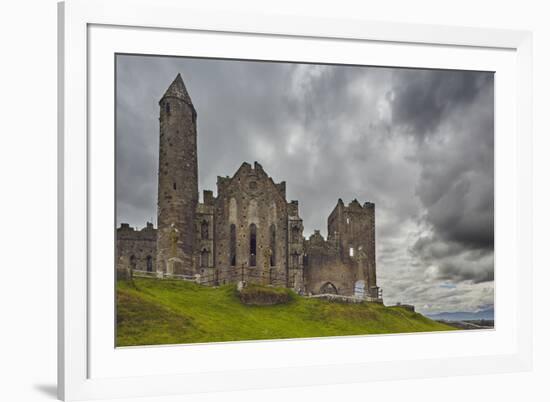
(249, 231)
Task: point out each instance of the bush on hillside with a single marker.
(256, 295)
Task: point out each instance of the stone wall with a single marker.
(353, 228)
(296, 247)
(204, 235)
(316, 265)
(325, 271)
(251, 225)
(136, 247)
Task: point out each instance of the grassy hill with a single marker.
(153, 312)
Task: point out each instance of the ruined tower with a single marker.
(177, 181)
(353, 228)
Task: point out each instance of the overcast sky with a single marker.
(417, 143)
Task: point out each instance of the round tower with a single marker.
(177, 181)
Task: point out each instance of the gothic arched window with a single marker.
(232, 245)
(149, 263)
(252, 245)
(204, 230)
(273, 245)
(329, 288)
(295, 234)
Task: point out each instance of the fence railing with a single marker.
(225, 275)
(164, 275)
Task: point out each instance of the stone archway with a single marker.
(329, 288)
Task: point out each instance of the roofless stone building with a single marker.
(249, 231)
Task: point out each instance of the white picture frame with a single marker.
(89, 367)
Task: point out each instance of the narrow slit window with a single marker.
(204, 230)
(296, 235)
(204, 258)
(252, 245)
(233, 245)
(273, 245)
(295, 260)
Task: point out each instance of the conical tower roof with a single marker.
(177, 90)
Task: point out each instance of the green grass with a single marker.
(154, 312)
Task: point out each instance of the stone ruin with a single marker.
(249, 232)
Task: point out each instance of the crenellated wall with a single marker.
(353, 228)
(137, 246)
(325, 271)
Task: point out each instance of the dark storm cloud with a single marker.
(454, 261)
(450, 271)
(456, 184)
(423, 98)
(418, 143)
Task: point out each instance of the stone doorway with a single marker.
(329, 288)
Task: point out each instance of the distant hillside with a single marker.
(156, 312)
(488, 314)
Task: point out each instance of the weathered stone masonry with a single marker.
(137, 248)
(249, 231)
(177, 181)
